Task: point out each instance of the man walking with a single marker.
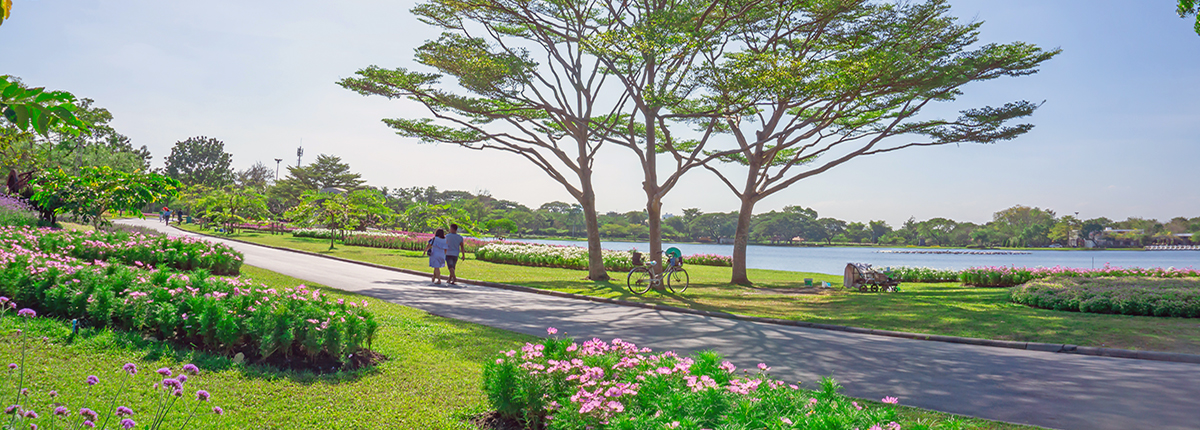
(454, 248)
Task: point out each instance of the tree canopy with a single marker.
(38, 110)
(326, 172)
(821, 83)
(200, 160)
(97, 190)
(1192, 8)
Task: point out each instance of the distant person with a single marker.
(167, 215)
(437, 254)
(454, 248)
(179, 217)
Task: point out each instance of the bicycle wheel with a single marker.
(677, 280)
(639, 280)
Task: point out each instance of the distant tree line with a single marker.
(425, 208)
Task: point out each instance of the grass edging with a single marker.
(1030, 346)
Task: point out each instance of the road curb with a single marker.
(1030, 346)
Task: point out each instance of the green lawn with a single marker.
(935, 308)
(432, 379)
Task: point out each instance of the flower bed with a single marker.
(709, 260)
(15, 211)
(921, 274)
(264, 227)
(560, 384)
(403, 240)
(572, 257)
(1001, 276)
(126, 248)
(319, 233)
(566, 257)
(298, 327)
(1166, 297)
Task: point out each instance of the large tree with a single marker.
(339, 211)
(656, 51)
(200, 160)
(257, 177)
(71, 149)
(530, 88)
(327, 171)
(820, 83)
(97, 190)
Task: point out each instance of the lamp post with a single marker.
(277, 161)
(1080, 238)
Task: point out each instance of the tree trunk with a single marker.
(741, 236)
(654, 212)
(596, 270)
(653, 200)
(741, 239)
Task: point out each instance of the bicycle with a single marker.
(642, 278)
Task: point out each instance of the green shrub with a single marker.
(1149, 296)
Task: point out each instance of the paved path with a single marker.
(1046, 389)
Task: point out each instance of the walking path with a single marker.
(1063, 391)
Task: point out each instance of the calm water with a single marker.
(833, 260)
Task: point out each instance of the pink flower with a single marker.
(552, 330)
(763, 367)
(891, 400)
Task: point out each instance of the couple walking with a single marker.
(444, 250)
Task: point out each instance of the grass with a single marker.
(932, 308)
(432, 379)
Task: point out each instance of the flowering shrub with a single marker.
(14, 211)
(318, 233)
(218, 314)
(709, 260)
(263, 226)
(126, 248)
(1126, 295)
(921, 274)
(1001, 276)
(566, 257)
(170, 390)
(403, 240)
(572, 257)
(134, 229)
(560, 384)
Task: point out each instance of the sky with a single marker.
(1118, 134)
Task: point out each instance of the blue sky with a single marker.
(1118, 136)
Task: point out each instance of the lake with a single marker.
(832, 260)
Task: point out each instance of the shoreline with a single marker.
(836, 245)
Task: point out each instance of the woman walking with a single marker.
(437, 254)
